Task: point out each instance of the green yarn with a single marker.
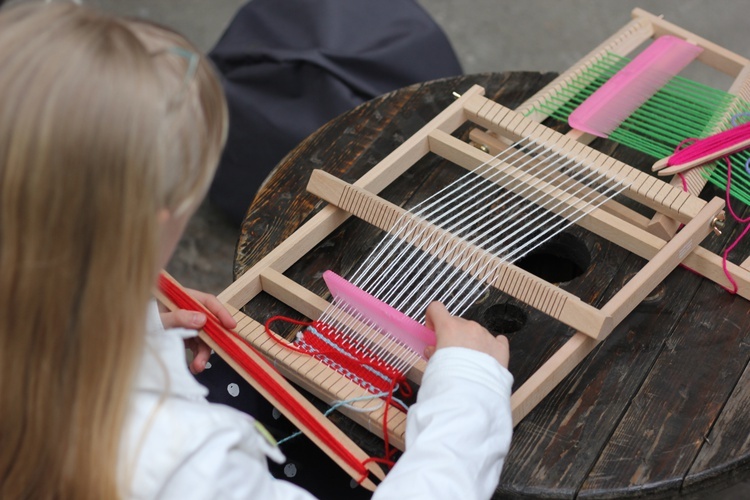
(681, 109)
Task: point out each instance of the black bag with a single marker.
(290, 66)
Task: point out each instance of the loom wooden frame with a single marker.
(267, 274)
(651, 239)
(642, 27)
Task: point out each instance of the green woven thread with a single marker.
(681, 109)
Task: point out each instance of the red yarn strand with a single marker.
(700, 148)
(690, 149)
(351, 362)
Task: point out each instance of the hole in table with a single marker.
(561, 259)
(504, 318)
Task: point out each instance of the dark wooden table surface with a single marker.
(660, 408)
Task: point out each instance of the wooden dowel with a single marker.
(662, 168)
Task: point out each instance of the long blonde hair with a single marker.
(104, 122)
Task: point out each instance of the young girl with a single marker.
(109, 133)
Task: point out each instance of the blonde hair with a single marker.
(104, 123)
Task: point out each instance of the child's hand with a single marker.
(452, 331)
(195, 321)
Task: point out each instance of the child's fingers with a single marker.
(503, 353)
(201, 354)
(429, 351)
(182, 318)
(196, 319)
(435, 316)
(453, 331)
(217, 308)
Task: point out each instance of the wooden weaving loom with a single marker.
(496, 128)
(643, 28)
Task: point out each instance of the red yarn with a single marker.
(684, 181)
(388, 403)
(702, 147)
(737, 219)
(276, 338)
(221, 336)
(405, 389)
(353, 361)
(697, 148)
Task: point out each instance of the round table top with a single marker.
(658, 408)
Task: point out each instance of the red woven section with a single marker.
(359, 366)
(353, 363)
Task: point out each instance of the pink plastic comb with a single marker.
(633, 85)
(397, 324)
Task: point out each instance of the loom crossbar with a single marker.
(506, 277)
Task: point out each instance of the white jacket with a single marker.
(178, 446)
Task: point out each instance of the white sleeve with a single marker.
(226, 463)
(192, 450)
(459, 431)
(244, 478)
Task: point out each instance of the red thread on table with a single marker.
(221, 336)
(738, 219)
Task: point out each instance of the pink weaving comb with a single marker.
(398, 325)
(633, 85)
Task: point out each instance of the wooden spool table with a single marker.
(661, 407)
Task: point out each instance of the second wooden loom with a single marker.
(496, 127)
